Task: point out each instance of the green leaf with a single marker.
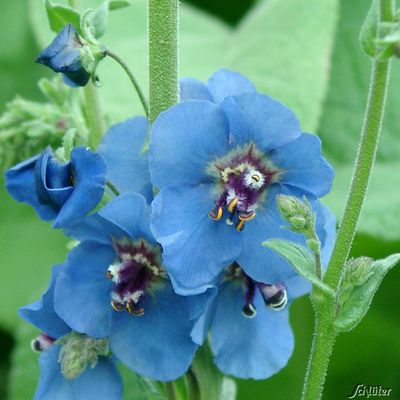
(380, 214)
(30, 244)
(117, 4)
(347, 97)
(60, 15)
(369, 30)
(300, 258)
(284, 47)
(359, 300)
(99, 17)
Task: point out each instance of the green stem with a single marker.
(94, 115)
(113, 188)
(132, 79)
(321, 348)
(325, 333)
(170, 389)
(192, 385)
(163, 55)
(365, 159)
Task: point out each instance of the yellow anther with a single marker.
(240, 225)
(247, 217)
(116, 306)
(134, 311)
(232, 204)
(218, 215)
(256, 178)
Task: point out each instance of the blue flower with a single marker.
(116, 286)
(64, 192)
(247, 320)
(101, 380)
(220, 164)
(127, 166)
(64, 55)
(221, 84)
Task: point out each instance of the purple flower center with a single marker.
(274, 295)
(242, 178)
(137, 268)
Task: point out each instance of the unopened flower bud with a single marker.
(79, 350)
(298, 213)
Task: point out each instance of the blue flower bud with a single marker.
(64, 55)
(62, 191)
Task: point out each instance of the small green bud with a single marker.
(314, 245)
(297, 213)
(77, 351)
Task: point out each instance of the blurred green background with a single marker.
(303, 52)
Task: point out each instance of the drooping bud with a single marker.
(78, 351)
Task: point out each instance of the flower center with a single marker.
(274, 295)
(242, 177)
(137, 268)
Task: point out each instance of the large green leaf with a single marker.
(380, 214)
(347, 95)
(29, 247)
(285, 48)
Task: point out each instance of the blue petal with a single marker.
(102, 382)
(157, 344)
(130, 213)
(193, 89)
(121, 147)
(82, 294)
(89, 171)
(205, 303)
(53, 180)
(96, 229)
(76, 79)
(249, 348)
(195, 248)
(327, 234)
(304, 165)
(184, 140)
(63, 38)
(225, 83)
(41, 313)
(260, 119)
(21, 184)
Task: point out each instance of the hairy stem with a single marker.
(365, 159)
(163, 55)
(325, 332)
(132, 78)
(94, 115)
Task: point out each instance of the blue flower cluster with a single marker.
(176, 258)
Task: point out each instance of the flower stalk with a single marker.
(132, 78)
(163, 55)
(325, 332)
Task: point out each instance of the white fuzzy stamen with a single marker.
(113, 270)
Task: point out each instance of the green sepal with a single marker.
(60, 15)
(205, 381)
(353, 304)
(98, 19)
(369, 30)
(63, 153)
(300, 259)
